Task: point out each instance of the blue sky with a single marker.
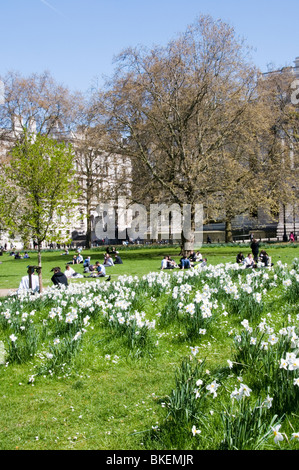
(76, 40)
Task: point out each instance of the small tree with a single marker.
(41, 171)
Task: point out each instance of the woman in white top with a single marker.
(69, 272)
(24, 284)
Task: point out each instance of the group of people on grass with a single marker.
(60, 278)
(186, 262)
(252, 259)
(112, 258)
(18, 255)
(92, 270)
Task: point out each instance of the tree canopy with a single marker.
(41, 173)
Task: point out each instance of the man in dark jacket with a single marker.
(255, 246)
(59, 278)
(118, 259)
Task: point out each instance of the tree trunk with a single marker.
(228, 231)
(188, 235)
(88, 233)
(187, 245)
(39, 256)
(88, 226)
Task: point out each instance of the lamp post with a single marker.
(285, 237)
(294, 212)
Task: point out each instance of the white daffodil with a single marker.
(273, 339)
(195, 431)
(283, 364)
(294, 364)
(237, 394)
(268, 402)
(194, 350)
(212, 387)
(277, 435)
(245, 390)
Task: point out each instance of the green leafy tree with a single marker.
(42, 174)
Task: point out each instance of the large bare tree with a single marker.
(36, 103)
(180, 107)
(278, 140)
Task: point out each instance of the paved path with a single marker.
(5, 292)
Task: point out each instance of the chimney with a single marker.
(17, 125)
(32, 125)
(296, 68)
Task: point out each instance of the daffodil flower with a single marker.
(277, 435)
(195, 431)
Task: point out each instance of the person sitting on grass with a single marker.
(100, 269)
(24, 284)
(198, 257)
(90, 271)
(59, 279)
(192, 257)
(249, 261)
(74, 260)
(171, 264)
(117, 259)
(240, 258)
(168, 263)
(86, 262)
(184, 263)
(108, 261)
(265, 259)
(70, 272)
(79, 258)
(89, 268)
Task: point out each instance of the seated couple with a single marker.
(185, 262)
(265, 259)
(195, 257)
(77, 259)
(97, 270)
(168, 263)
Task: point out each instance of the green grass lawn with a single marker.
(108, 396)
(137, 260)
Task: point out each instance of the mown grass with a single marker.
(112, 403)
(138, 260)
